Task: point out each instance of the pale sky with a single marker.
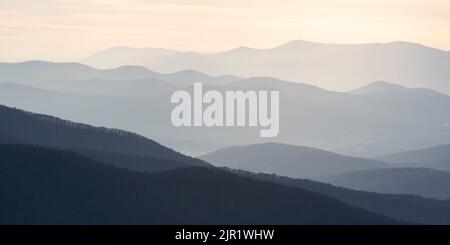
(72, 29)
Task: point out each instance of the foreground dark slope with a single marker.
(411, 208)
(109, 145)
(46, 186)
(424, 182)
(6, 139)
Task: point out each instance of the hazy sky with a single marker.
(72, 29)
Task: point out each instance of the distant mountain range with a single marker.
(374, 120)
(46, 186)
(418, 181)
(40, 71)
(437, 157)
(123, 80)
(331, 66)
(288, 160)
(111, 159)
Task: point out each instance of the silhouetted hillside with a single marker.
(288, 160)
(132, 162)
(7, 139)
(54, 132)
(411, 208)
(418, 181)
(45, 186)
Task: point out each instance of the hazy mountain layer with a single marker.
(418, 181)
(437, 157)
(332, 66)
(288, 160)
(379, 119)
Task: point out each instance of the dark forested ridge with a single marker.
(54, 132)
(7, 139)
(132, 162)
(45, 186)
(411, 208)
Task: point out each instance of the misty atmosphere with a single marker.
(86, 135)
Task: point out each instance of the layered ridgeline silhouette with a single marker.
(437, 157)
(18, 160)
(125, 80)
(47, 186)
(45, 71)
(289, 160)
(111, 145)
(350, 172)
(332, 66)
(377, 119)
(425, 182)
(412, 208)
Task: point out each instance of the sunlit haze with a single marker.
(73, 29)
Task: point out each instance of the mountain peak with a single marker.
(376, 87)
(288, 160)
(382, 86)
(240, 50)
(297, 42)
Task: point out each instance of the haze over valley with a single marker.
(132, 112)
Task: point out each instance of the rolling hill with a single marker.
(288, 160)
(31, 71)
(124, 80)
(437, 157)
(424, 182)
(412, 208)
(100, 143)
(46, 186)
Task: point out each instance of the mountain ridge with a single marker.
(426, 182)
(432, 157)
(44, 130)
(347, 65)
(400, 206)
(358, 125)
(288, 160)
(80, 192)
